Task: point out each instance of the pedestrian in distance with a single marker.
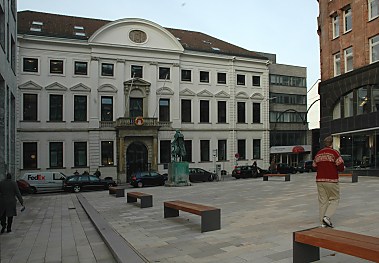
(328, 162)
(8, 193)
(76, 172)
(97, 173)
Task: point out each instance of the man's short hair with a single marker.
(328, 141)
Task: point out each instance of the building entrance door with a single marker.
(136, 159)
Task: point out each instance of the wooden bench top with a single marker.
(345, 174)
(137, 194)
(362, 246)
(275, 174)
(116, 187)
(196, 209)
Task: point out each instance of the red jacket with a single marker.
(328, 163)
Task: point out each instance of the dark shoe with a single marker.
(9, 230)
(327, 221)
(2, 229)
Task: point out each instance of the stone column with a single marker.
(121, 161)
(154, 163)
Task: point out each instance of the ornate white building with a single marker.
(109, 95)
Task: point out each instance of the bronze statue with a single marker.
(178, 150)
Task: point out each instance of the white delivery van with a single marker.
(44, 181)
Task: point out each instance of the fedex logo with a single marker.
(36, 177)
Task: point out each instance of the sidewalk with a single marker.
(53, 228)
(257, 222)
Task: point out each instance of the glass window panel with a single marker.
(80, 108)
(106, 108)
(186, 75)
(56, 108)
(221, 78)
(241, 144)
(222, 150)
(30, 65)
(186, 111)
(204, 151)
(29, 155)
(80, 154)
(188, 146)
(56, 66)
(80, 68)
(221, 107)
(136, 107)
(164, 73)
(30, 107)
(56, 154)
(136, 71)
(107, 158)
(348, 105)
(204, 76)
(165, 151)
(107, 69)
(164, 110)
(256, 149)
(204, 111)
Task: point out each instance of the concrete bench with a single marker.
(117, 190)
(146, 199)
(354, 177)
(307, 243)
(287, 177)
(210, 216)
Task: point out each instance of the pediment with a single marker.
(107, 88)
(205, 93)
(222, 94)
(80, 87)
(136, 82)
(165, 91)
(257, 96)
(242, 95)
(30, 85)
(187, 92)
(56, 86)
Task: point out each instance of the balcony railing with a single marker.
(129, 122)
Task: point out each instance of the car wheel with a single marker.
(140, 184)
(76, 189)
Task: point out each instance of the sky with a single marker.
(285, 28)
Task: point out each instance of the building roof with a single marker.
(62, 26)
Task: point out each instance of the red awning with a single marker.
(298, 149)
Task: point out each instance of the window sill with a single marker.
(205, 161)
(56, 121)
(51, 168)
(29, 121)
(79, 121)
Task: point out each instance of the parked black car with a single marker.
(200, 175)
(305, 167)
(147, 178)
(247, 171)
(77, 183)
(283, 168)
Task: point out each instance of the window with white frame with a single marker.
(204, 76)
(241, 145)
(29, 152)
(30, 105)
(80, 108)
(257, 149)
(337, 64)
(56, 154)
(204, 150)
(204, 111)
(107, 153)
(336, 26)
(164, 109)
(374, 49)
(80, 154)
(348, 21)
(221, 78)
(373, 9)
(188, 147)
(186, 110)
(56, 107)
(348, 54)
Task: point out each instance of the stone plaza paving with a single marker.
(258, 219)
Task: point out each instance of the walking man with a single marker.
(8, 191)
(328, 163)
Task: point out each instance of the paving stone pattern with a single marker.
(257, 221)
(53, 228)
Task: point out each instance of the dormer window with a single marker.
(79, 31)
(36, 26)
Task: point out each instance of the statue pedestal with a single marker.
(178, 174)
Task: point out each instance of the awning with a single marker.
(298, 149)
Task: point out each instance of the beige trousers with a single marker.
(328, 198)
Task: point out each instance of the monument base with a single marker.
(178, 174)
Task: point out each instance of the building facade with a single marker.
(349, 88)
(109, 95)
(287, 112)
(8, 86)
